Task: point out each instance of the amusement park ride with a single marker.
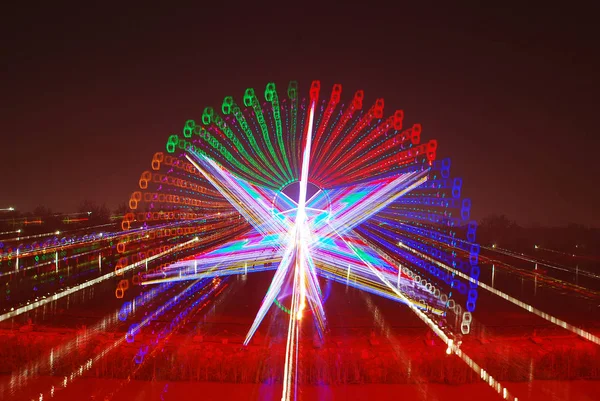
(312, 188)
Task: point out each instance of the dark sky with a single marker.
(89, 94)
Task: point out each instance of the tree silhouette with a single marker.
(96, 214)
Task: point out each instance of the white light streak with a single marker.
(432, 325)
(87, 284)
(559, 322)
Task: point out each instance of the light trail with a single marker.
(299, 288)
(10, 232)
(452, 347)
(569, 254)
(495, 248)
(543, 262)
(365, 164)
(89, 283)
(169, 330)
(55, 260)
(88, 364)
(32, 236)
(58, 352)
(559, 322)
(551, 281)
(134, 234)
(299, 238)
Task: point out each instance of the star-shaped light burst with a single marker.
(358, 228)
(302, 240)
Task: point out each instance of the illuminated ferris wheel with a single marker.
(317, 190)
(313, 188)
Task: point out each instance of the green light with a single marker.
(171, 143)
(237, 112)
(265, 131)
(188, 129)
(269, 91)
(293, 90)
(249, 97)
(293, 95)
(221, 149)
(227, 105)
(271, 96)
(207, 115)
(236, 142)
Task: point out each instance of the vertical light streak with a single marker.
(17, 261)
(56, 261)
(306, 160)
(348, 275)
(291, 344)
(290, 375)
(301, 226)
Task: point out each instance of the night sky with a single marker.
(89, 94)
